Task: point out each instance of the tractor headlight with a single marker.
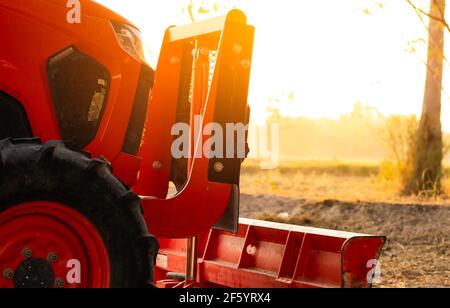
(130, 40)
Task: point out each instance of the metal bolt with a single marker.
(8, 274)
(237, 49)
(174, 60)
(246, 64)
(218, 167)
(157, 165)
(60, 283)
(251, 250)
(27, 253)
(52, 257)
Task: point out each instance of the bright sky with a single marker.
(328, 53)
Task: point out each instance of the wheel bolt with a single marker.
(157, 165)
(8, 274)
(218, 167)
(27, 253)
(52, 257)
(60, 283)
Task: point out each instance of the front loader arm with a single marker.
(255, 254)
(216, 93)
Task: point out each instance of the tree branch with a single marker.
(419, 10)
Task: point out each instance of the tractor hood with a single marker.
(88, 7)
(93, 8)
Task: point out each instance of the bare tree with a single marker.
(428, 153)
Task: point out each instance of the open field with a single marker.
(353, 197)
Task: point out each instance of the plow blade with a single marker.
(271, 255)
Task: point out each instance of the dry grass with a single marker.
(353, 197)
(334, 180)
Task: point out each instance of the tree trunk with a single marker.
(428, 154)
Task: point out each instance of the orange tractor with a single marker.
(86, 162)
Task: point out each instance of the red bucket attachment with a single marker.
(271, 255)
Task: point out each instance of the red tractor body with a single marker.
(34, 33)
(88, 85)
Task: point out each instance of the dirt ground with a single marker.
(418, 250)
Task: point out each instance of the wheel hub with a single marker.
(34, 273)
(40, 241)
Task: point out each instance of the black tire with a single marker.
(32, 171)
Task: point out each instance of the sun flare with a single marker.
(316, 58)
